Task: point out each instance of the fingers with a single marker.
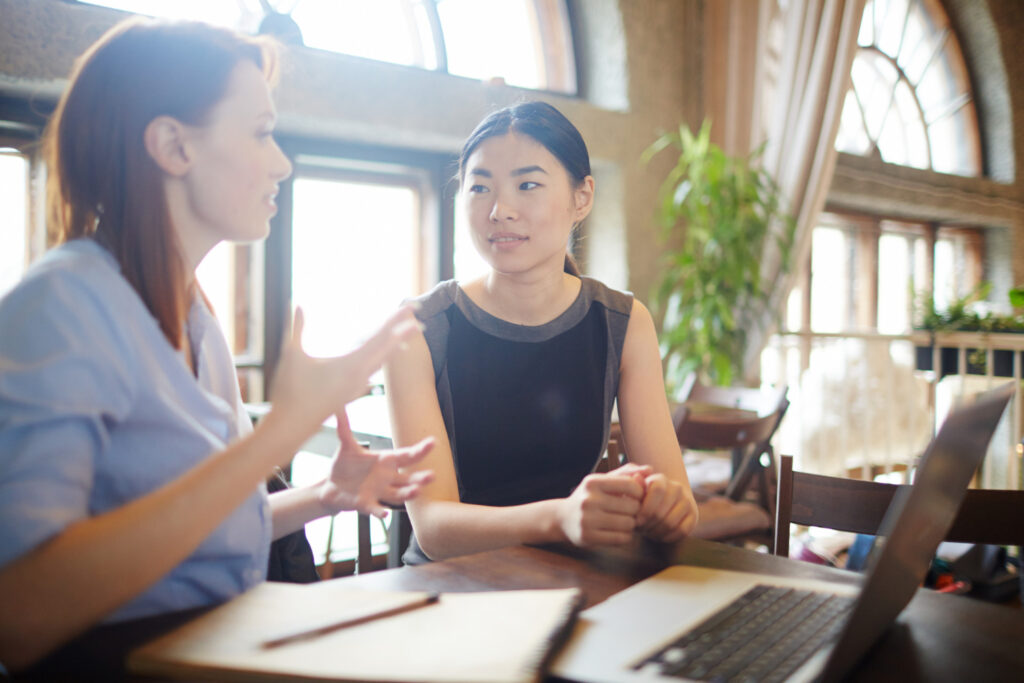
(298, 323)
(395, 330)
(410, 455)
(668, 513)
(402, 494)
(631, 468)
(616, 485)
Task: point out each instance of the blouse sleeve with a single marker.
(65, 380)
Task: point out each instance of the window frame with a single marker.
(432, 171)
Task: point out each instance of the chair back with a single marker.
(738, 419)
(857, 506)
(721, 418)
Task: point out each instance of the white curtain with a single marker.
(787, 93)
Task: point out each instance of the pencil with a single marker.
(428, 599)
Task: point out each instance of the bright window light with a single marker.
(216, 274)
(243, 15)
(355, 257)
(386, 30)
(13, 218)
(511, 52)
(910, 98)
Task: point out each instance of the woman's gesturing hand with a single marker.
(307, 390)
(603, 508)
(668, 511)
(368, 480)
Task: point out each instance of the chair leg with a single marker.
(399, 534)
(743, 474)
(364, 560)
(783, 506)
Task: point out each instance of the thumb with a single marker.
(298, 323)
(344, 430)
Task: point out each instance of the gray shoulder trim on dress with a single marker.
(436, 301)
(612, 299)
(431, 313)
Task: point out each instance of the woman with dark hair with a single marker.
(516, 373)
(131, 481)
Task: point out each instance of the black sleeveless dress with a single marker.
(527, 409)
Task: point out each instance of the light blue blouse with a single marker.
(97, 409)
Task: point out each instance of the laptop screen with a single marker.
(916, 522)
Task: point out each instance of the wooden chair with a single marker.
(735, 419)
(985, 516)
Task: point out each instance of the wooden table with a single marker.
(937, 638)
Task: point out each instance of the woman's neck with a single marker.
(524, 300)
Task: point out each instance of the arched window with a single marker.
(910, 101)
(525, 43)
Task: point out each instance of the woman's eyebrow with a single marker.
(482, 172)
(528, 169)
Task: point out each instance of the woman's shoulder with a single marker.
(81, 265)
(74, 292)
(437, 300)
(613, 300)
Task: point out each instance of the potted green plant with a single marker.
(717, 215)
(961, 315)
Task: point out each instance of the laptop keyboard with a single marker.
(766, 634)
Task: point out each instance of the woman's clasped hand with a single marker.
(609, 508)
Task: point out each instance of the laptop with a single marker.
(662, 628)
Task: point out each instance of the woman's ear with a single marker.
(583, 196)
(166, 142)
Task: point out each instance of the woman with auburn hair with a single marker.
(131, 481)
(516, 372)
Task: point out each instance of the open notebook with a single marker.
(500, 637)
(693, 623)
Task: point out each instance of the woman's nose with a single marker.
(283, 167)
(501, 211)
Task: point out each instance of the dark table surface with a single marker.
(937, 638)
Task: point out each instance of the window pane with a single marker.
(830, 280)
(387, 30)
(889, 21)
(242, 15)
(945, 274)
(950, 151)
(215, 274)
(355, 249)
(852, 136)
(895, 283)
(512, 52)
(901, 103)
(13, 218)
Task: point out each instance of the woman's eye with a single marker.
(528, 185)
(477, 189)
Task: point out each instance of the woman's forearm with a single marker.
(68, 584)
(293, 508)
(447, 528)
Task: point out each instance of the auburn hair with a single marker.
(102, 181)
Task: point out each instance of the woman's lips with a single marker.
(506, 240)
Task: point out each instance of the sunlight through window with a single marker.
(355, 257)
(494, 39)
(525, 43)
(13, 217)
(910, 100)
